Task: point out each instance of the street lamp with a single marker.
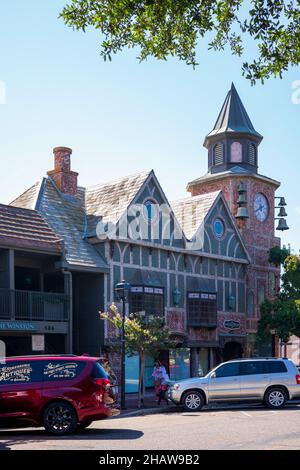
(122, 290)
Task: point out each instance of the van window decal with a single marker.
(16, 373)
(67, 370)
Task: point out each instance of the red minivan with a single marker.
(61, 393)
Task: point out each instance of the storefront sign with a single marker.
(38, 342)
(232, 324)
(17, 326)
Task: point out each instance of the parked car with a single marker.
(267, 380)
(61, 393)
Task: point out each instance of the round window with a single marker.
(219, 228)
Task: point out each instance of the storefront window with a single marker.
(202, 309)
(132, 374)
(180, 364)
(203, 362)
(147, 299)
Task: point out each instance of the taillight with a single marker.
(104, 383)
(298, 379)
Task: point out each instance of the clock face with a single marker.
(261, 207)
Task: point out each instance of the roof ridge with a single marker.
(198, 196)
(18, 208)
(22, 194)
(145, 172)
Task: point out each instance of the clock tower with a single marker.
(233, 168)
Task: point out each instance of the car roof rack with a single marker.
(255, 358)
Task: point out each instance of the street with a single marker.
(251, 427)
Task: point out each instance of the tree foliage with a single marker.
(162, 28)
(143, 336)
(282, 315)
(278, 255)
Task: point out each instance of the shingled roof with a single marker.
(110, 200)
(191, 212)
(66, 216)
(26, 229)
(75, 218)
(233, 118)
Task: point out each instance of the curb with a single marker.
(212, 407)
(147, 411)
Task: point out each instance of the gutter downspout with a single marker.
(70, 292)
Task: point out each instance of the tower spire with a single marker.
(233, 118)
(233, 142)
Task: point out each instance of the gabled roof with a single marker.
(233, 118)
(27, 200)
(26, 229)
(110, 200)
(75, 218)
(191, 211)
(66, 216)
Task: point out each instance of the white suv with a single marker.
(270, 381)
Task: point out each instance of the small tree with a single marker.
(143, 336)
(278, 255)
(282, 315)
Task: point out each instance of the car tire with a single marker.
(193, 401)
(275, 398)
(59, 418)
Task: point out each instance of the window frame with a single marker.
(215, 160)
(263, 368)
(145, 294)
(192, 320)
(240, 146)
(226, 376)
(251, 145)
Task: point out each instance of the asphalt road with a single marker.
(242, 428)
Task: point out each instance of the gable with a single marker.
(161, 226)
(230, 244)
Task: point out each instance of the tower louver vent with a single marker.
(252, 154)
(219, 154)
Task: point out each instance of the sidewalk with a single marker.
(149, 406)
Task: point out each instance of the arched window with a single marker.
(252, 154)
(236, 154)
(250, 304)
(219, 154)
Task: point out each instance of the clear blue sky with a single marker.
(123, 117)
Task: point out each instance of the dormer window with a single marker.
(236, 155)
(219, 154)
(252, 154)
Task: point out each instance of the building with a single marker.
(34, 292)
(200, 262)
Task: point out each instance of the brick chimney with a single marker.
(64, 178)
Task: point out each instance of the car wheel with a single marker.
(82, 426)
(275, 398)
(193, 401)
(59, 418)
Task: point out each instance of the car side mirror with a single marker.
(213, 375)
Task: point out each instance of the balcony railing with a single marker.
(33, 306)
